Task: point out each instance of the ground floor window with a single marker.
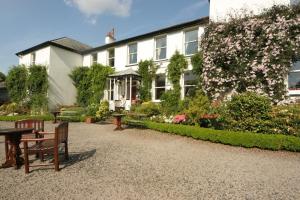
(111, 90)
(160, 85)
(294, 77)
(189, 83)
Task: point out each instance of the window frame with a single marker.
(94, 55)
(129, 54)
(295, 90)
(111, 58)
(185, 43)
(159, 87)
(156, 48)
(184, 85)
(33, 58)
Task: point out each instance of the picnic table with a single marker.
(118, 118)
(14, 135)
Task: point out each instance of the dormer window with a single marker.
(94, 58)
(191, 42)
(111, 57)
(32, 59)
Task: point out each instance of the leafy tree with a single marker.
(147, 70)
(16, 83)
(80, 80)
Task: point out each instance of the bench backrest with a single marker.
(37, 125)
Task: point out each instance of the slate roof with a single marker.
(64, 43)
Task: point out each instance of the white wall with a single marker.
(61, 89)
(221, 10)
(42, 57)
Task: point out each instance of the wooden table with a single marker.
(118, 118)
(13, 136)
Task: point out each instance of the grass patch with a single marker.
(241, 139)
(21, 117)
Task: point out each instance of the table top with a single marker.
(6, 131)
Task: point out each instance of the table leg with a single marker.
(13, 156)
(119, 124)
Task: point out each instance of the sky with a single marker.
(25, 23)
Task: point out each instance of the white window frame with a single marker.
(129, 54)
(184, 85)
(294, 91)
(33, 58)
(159, 87)
(112, 58)
(92, 58)
(185, 43)
(158, 48)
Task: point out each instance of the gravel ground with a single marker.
(144, 164)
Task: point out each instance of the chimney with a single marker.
(110, 37)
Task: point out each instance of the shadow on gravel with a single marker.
(76, 157)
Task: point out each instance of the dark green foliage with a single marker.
(21, 117)
(90, 83)
(197, 63)
(16, 83)
(37, 85)
(2, 77)
(92, 109)
(148, 108)
(170, 101)
(147, 69)
(176, 67)
(80, 80)
(243, 139)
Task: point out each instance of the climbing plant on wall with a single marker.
(147, 70)
(16, 83)
(251, 53)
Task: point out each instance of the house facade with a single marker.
(62, 55)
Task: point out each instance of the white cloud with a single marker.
(93, 8)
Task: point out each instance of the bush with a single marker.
(21, 117)
(147, 108)
(103, 111)
(170, 101)
(92, 109)
(197, 107)
(243, 139)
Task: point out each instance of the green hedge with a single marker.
(243, 139)
(21, 117)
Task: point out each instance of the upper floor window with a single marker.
(111, 57)
(160, 85)
(294, 77)
(32, 59)
(94, 58)
(191, 42)
(161, 48)
(132, 53)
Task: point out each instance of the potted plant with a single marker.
(91, 113)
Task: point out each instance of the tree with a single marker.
(147, 70)
(2, 77)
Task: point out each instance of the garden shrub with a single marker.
(146, 70)
(79, 75)
(148, 108)
(197, 107)
(92, 109)
(103, 111)
(170, 101)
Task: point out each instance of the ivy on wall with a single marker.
(90, 83)
(251, 54)
(147, 70)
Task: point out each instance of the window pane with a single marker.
(191, 35)
(94, 58)
(161, 42)
(133, 48)
(161, 53)
(132, 58)
(296, 66)
(294, 80)
(189, 78)
(111, 62)
(160, 80)
(159, 92)
(191, 48)
(189, 91)
(128, 90)
(111, 53)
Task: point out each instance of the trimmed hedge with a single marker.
(242, 139)
(21, 117)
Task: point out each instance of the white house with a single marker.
(64, 54)
(60, 56)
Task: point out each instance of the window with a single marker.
(111, 57)
(161, 48)
(111, 90)
(32, 59)
(191, 42)
(94, 58)
(294, 77)
(132, 53)
(160, 85)
(189, 83)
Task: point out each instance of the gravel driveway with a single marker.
(145, 164)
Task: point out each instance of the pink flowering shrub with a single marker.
(179, 119)
(251, 54)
